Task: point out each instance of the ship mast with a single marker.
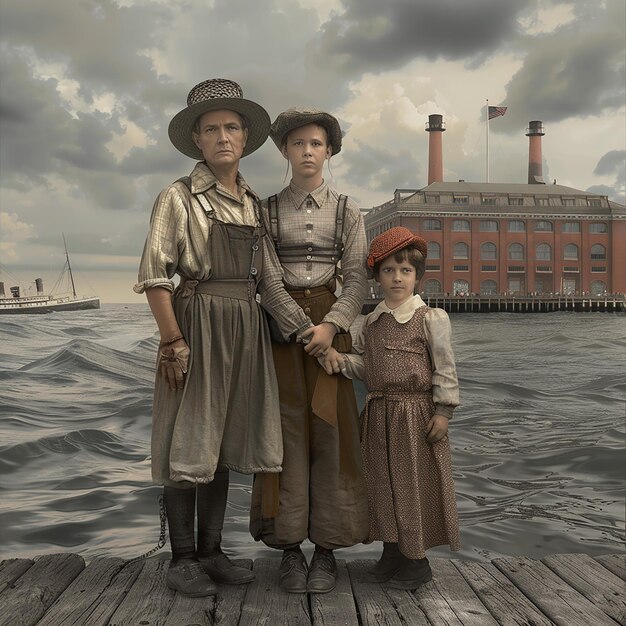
(69, 267)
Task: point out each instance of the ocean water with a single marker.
(538, 443)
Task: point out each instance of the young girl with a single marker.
(404, 355)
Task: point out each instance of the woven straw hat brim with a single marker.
(182, 123)
(292, 119)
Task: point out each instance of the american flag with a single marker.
(496, 112)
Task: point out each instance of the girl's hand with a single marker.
(437, 428)
(172, 363)
(332, 361)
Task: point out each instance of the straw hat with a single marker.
(392, 241)
(298, 116)
(212, 95)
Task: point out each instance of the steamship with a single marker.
(47, 302)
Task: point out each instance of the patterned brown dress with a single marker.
(409, 480)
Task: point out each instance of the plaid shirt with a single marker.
(309, 218)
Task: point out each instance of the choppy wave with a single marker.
(538, 442)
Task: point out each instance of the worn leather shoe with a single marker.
(293, 570)
(186, 576)
(323, 571)
(220, 568)
(387, 566)
(411, 575)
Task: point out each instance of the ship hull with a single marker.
(35, 306)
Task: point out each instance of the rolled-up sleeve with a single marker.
(164, 243)
(438, 336)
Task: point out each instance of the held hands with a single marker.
(319, 338)
(437, 428)
(172, 363)
(332, 361)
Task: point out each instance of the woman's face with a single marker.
(221, 137)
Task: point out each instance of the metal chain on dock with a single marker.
(161, 542)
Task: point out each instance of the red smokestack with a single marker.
(435, 128)
(534, 134)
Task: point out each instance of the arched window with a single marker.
(570, 252)
(488, 252)
(432, 287)
(543, 227)
(461, 250)
(461, 287)
(488, 288)
(434, 250)
(461, 226)
(431, 225)
(544, 252)
(598, 252)
(488, 226)
(516, 252)
(598, 287)
(516, 226)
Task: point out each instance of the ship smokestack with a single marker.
(15, 292)
(2, 290)
(39, 284)
(534, 134)
(435, 127)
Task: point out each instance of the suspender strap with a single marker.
(339, 222)
(202, 199)
(272, 206)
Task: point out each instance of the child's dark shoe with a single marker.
(411, 575)
(323, 571)
(293, 571)
(187, 577)
(390, 562)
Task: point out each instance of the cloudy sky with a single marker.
(87, 89)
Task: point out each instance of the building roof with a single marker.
(514, 188)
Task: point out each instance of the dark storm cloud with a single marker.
(374, 36)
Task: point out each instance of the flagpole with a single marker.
(487, 152)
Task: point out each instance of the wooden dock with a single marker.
(563, 589)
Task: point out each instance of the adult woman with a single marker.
(216, 400)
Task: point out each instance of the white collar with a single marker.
(402, 314)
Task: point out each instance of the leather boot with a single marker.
(389, 564)
(323, 571)
(411, 575)
(185, 574)
(212, 499)
(293, 571)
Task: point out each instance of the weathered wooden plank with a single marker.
(448, 600)
(149, 600)
(562, 604)
(508, 605)
(337, 607)
(230, 599)
(615, 563)
(191, 611)
(265, 601)
(93, 596)
(11, 570)
(592, 580)
(380, 607)
(34, 592)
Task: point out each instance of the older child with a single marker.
(320, 494)
(404, 355)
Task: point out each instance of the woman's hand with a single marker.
(319, 338)
(437, 428)
(173, 362)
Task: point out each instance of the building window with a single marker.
(594, 202)
(490, 200)
(488, 288)
(544, 269)
(516, 268)
(598, 287)
(543, 227)
(517, 226)
(488, 268)
(544, 252)
(460, 268)
(431, 225)
(432, 199)
(598, 252)
(572, 269)
(516, 285)
(460, 200)
(516, 252)
(433, 268)
(516, 201)
(569, 202)
(461, 226)
(488, 252)
(460, 251)
(461, 287)
(542, 201)
(570, 252)
(597, 227)
(432, 287)
(488, 226)
(598, 269)
(571, 227)
(434, 250)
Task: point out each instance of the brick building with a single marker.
(506, 238)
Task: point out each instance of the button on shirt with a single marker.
(307, 219)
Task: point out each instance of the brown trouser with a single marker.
(321, 493)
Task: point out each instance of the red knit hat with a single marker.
(392, 241)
